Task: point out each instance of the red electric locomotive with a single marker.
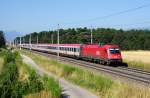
(106, 54)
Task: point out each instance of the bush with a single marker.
(9, 84)
(8, 76)
(53, 86)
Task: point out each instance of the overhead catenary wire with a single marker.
(109, 15)
(131, 24)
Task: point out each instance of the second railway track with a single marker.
(130, 73)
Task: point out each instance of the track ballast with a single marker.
(129, 73)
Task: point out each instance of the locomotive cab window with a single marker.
(114, 50)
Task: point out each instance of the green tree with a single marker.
(2, 39)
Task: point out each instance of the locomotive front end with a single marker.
(114, 55)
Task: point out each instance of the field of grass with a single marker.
(1, 60)
(50, 87)
(137, 59)
(19, 80)
(1, 63)
(41, 87)
(96, 83)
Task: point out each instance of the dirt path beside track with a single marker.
(69, 90)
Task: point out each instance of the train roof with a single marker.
(83, 45)
(64, 44)
(102, 46)
(71, 45)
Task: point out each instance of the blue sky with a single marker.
(27, 16)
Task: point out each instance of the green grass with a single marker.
(39, 87)
(82, 77)
(2, 52)
(19, 80)
(1, 63)
(138, 64)
(50, 86)
(99, 84)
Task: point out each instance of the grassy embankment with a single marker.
(1, 60)
(98, 84)
(137, 59)
(19, 80)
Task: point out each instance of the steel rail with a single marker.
(130, 73)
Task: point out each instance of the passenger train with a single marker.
(103, 54)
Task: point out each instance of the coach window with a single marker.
(77, 49)
(74, 49)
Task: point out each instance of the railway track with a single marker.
(129, 73)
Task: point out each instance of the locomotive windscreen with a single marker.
(114, 50)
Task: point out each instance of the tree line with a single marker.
(126, 39)
(2, 39)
